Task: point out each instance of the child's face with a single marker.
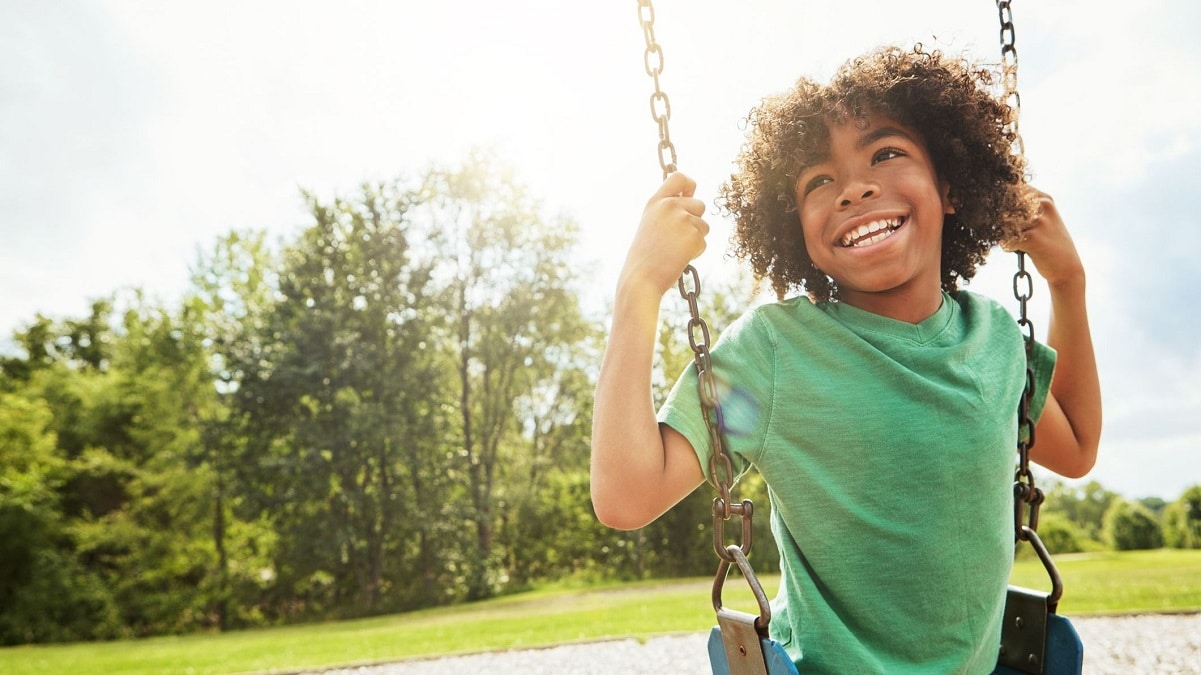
(872, 215)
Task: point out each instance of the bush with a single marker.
(1182, 520)
(1060, 535)
(1131, 527)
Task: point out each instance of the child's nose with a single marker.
(848, 196)
(858, 185)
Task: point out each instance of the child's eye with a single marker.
(886, 154)
(815, 182)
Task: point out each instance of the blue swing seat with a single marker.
(1065, 651)
(776, 660)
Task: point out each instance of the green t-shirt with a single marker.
(888, 450)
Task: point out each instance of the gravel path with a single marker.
(1153, 644)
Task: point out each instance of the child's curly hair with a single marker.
(948, 101)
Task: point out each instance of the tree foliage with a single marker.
(1131, 526)
(1059, 534)
(110, 407)
(1083, 505)
(516, 339)
(382, 414)
(1182, 520)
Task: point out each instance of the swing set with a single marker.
(1034, 638)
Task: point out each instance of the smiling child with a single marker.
(887, 396)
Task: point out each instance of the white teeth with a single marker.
(866, 235)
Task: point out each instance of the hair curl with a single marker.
(967, 132)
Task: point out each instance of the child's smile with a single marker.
(872, 214)
(873, 232)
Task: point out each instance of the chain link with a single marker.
(721, 468)
(1009, 73)
(1025, 492)
(652, 58)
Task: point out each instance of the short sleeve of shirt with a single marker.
(743, 363)
(1042, 363)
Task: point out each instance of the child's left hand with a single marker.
(1047, 241)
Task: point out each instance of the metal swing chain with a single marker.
(652, 58)
(1025, 492)
(721, 469)
(1009, 72)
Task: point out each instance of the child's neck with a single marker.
(911, 305)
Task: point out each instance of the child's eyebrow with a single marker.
(880, 133)
(869, 137)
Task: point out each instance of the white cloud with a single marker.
(1114, 117)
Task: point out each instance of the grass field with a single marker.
(1102, 583)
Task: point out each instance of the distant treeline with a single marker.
(387, 412)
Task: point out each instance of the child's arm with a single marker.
(639, 469)
(1069, 431)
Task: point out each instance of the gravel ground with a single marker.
(1154, 644)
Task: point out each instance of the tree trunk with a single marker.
(221, 606)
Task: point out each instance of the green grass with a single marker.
(1147, 581)
(1131, 582)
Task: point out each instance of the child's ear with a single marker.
(948, 204)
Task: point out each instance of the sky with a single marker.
(133, 134)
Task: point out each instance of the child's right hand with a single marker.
(671, 234)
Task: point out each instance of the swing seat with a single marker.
(1035, 640)
(1065, 652)
(738, 644)
(775, 660)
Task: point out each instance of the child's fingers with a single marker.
(1047, 212)
(700, 225)
(676, 195)
(1046, 222)
(1028, 234)
(682, 210)
(691, 205)
(675, 185)
(1047, 241)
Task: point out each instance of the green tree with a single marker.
(121, 393)
(153, 545)
(1059, 534)
(341, 392)
(543, 498)
(233, 293)
(1130, 527)
(1155, 505)
(514, 327)
(1083, 505)
(44, 594)
(1182, 520)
